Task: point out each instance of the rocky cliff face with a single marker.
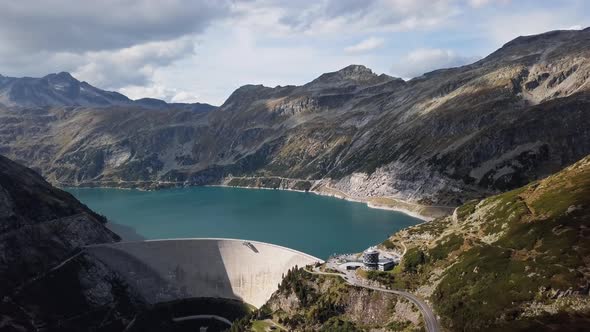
(306, 302)
(47, 283)
(40, 226)
(440, 139)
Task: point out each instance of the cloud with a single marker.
(72, 26)
(202, 50)
(365, 45)
(504, 28)
(109, 43)
(421, 61)
(134, 65)
(152, 91)
(237, 55)
(482, 3)
(160, 91)
(478, 3)
(184, 97)
(340, 16)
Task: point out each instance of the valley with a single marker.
(488, 163)
(513, 117)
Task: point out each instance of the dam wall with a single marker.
(167, 270)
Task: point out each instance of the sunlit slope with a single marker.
(523, 255)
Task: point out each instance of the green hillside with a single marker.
(520, 256)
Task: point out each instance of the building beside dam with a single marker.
(370, 258)
(372, 261)
(167, 270)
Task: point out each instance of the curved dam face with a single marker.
(167, 270)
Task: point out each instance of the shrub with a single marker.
(413, 259)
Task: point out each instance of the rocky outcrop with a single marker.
(321, 303)
(40, 226)
(45, 279)
(439, 139)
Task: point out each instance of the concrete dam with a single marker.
(167, 270)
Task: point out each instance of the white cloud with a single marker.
(134, 65)
(478, 3)
(421, 61)
(365, 45)
(160, 91)
(234, 56)
(482, 3)
(153, 91)
(185, 97)
(504, 28)
(327, 17)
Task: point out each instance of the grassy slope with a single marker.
(521, 256)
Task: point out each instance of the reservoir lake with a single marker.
(317, 225)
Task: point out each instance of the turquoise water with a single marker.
(314, 224)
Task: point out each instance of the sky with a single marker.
(202, 50)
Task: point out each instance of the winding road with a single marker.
(216, 317)
(430, 320)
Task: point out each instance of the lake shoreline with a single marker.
(423, 212)
(318, 226)
(422, 216)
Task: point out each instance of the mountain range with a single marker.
(514, 124)
(443, 138)
(62, 89)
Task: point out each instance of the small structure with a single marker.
(371, 259)
(385, 264)
(250, 245)
(351, 266)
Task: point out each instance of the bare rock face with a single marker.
(41, 228)
(313, 303)
(40, 225)
(28, 200)
(353, 75)
(442, 138)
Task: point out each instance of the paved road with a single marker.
(405, 249)
(429, 317)
(219, 318)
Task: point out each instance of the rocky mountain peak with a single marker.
(351, 75)
(247, 90)
(356, 72)
(246, 94)
(63, 82)
(64, 75)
